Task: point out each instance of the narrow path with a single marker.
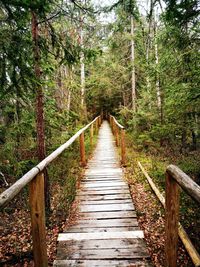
(107, 232)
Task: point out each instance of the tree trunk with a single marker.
(133, 65)
(158, 89)
(17, 121)
(41, 150)
(148, 45)
(82, 69)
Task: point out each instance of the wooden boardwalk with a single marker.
(107, 231)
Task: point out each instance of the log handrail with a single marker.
(35, 179)
(171, 248)
(117, 123)
(175, 177)
(13, 190)
(120, 138)
(188, 185)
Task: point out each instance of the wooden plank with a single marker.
(106, 191)
(108, 171)
(101, 263)
(105, 184)
(105, 197)
(103, 254)
(108, 215)
(104, 244)
(106, 207)
(94, 236)
(101, 179)
(107, 222)
(103, 202)
(101, 229)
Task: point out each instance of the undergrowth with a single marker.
(155, 163)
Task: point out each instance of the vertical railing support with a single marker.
(171, 220)
(99, 121)
(37, 209)
(82, 150)
(96, 126)
(112, 125)
(123, 147)
(91, 134)
(117, 135)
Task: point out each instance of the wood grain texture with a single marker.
(37, 208)
(171, 220)
(106, 232)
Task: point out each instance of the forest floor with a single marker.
(16, 240)
(150, 211)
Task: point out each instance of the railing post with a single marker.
(82, 150)
(123, 147)
(117, 135)
(91, 134)
(171, 220)
(37, 209)
(96, 125)
(99, 121)
(112, 124)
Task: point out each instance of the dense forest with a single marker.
(62, 63)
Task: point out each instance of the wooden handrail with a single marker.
(182, 234)
(117, 123)
(35, 179)
(175, 177)
(188, 185)
(13, 190)
(116, 126)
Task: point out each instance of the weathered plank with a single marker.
(106, 222)
(103, 202)
(105, 184)
(105, 197)
(106, 207)
(108, 215)
(104, 244)
(102, 254)
(103, 192)
(102, 263)
(94, 236)
(101, 229)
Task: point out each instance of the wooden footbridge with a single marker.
(106, 232)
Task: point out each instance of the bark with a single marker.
(133, 65)
(148, 45)
(82, 70)
(158, 89)
(41, 149)
(18, 113)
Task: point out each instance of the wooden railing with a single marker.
(175, 177)
(35, 179)
(119, 133)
